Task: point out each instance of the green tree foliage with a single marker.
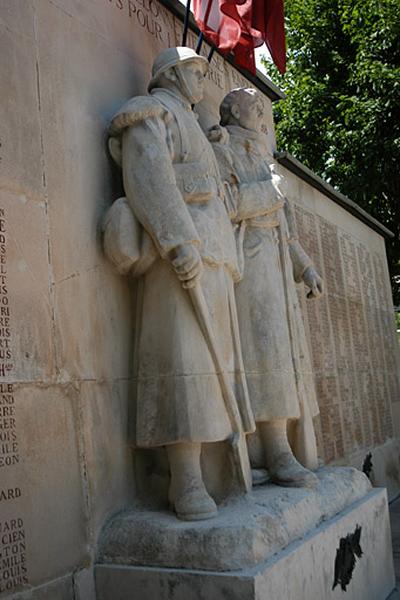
(341, 117)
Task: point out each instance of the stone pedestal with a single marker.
(275, 544)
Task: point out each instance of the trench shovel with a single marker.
(237, 441)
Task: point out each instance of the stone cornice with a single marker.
(295, 166)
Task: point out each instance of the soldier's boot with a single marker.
(187, 492)
(283, 468)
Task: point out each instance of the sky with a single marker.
(262, 51)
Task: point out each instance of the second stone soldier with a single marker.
(275, 351)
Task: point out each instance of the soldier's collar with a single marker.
(182, 101)
(244, 133)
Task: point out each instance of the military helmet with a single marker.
(170, 58)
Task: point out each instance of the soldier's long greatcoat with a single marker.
(276, 356)
(175, 193)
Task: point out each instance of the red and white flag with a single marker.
(239, 26)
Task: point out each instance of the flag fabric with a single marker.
(240, 26)
(270, 14)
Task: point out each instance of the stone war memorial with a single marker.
(199, 374)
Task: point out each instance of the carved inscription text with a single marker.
(13, 569)
(149, 16)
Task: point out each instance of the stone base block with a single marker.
(304, 570)
(247, 530)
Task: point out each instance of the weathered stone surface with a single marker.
(78, 184)
(97, 343)
(42, 486)
(17, 16)
(84, 585)
(104, 406)
(26, 323)
(304, 570)
(19, 109)
(385, 466)
(245, 532)
(60, 589)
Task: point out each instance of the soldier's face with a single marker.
(251, 111)
(193, 76)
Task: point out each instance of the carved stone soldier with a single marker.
(276, 357)
(174, 191)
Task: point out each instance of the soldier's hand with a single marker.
(314, 282)
(187, 264)
(217, 133)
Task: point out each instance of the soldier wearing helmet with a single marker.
(173, 188)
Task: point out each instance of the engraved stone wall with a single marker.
(351, 335)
